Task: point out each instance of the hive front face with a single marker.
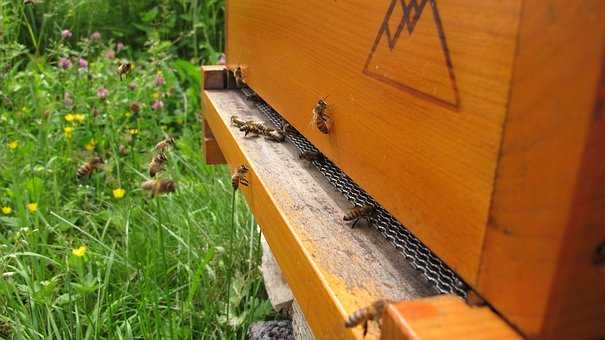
(416, 92)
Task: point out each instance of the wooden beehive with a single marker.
(478, 124)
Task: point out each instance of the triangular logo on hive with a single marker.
(411, 53)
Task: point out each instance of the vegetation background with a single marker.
(98, 258)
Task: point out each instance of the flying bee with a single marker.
(371, 313)
(157, 164)
(124, 69)
(86, 169)
(320, 116)
(276, 136)
(159, 186)
(239, 177)
(310, 156)
(358, 213)
(238, 75)
(163, 145)
(235, 121)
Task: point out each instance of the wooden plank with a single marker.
(417, 115)
(331, 269)
(214, 77)
(547, 216)
(212, 151)
(443, 317)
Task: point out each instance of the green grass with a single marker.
(153, 268)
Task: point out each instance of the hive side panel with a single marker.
(417, 95)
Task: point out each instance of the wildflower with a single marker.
(119, 193)
(102, 93)
(80, 118)
(91, 145)
(69, 117)
(120, 46)
(83, 64)
(32, 207)
(133, 131)
(68, 131)
(157, 105)
(135, 107)
(7, 210)
(66, 34)
(68, 99)
(13, 145)
(110, 54)
(64, 63)
(222, 60)
(95, 36)
(159, 80)
(79, 252)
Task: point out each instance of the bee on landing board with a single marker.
(276, 136)
(310, 156)
(164, 145)
(255, 127)
(238, 75)
(157, 187)
(237, 122)
(86, 169)
(358, 213)
(239, 177)
(371, 313)
(157, 164)
(320, 116)
(124, 69)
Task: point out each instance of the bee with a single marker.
(287, 129)
(371, 313)
(124, 69)
(239, 177)
(86, 169)
(257, 128)
(164, 144)
(310, 156)
(276, 136)
(157, 164)
(320, 116)
(358, 213)
(238, 75)
(159, 186)
(235, 121)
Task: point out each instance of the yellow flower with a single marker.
(79, 252)
(127, 114)
(68, 131)
(119, 193)
(7, 210)
(156, 95)
(133, 131)
(32, 207)
(13, 145)
(80, 117)
(91, 145)
(70, 117)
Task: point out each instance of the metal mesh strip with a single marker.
(416, 253)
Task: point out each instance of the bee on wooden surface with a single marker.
(237, 122)
(310, 155)
(320, 116)
(238, 75)
(239, 177)
(257, 128)
(276, 136)
(371, 313)
(86, 169)
(358, 213)
(157, 164)
(157, 187)
(287, 129)
(164, 145)
(124, 69)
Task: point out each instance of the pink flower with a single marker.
(159, 80)
(64, 63)
(83, 64)
(222, 60)
(119, 46)
(66, 34)
(95, 36)
(102, 93)
(110, 54)
(157, 105)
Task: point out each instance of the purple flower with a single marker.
(110, 54)
(159, 80)
(119, 46)
(157, 105)
(95, 36)
(64, 63)
(66, 34)
(102, 93)
(83, 64)
(222, 60)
